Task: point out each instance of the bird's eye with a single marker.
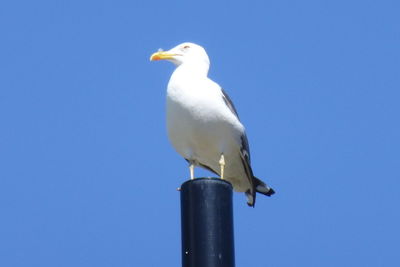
(186, 47)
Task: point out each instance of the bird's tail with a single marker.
(259, 187)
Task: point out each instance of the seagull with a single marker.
(203, 124)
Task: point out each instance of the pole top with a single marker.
(207, 181)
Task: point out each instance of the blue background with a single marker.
(88, 178)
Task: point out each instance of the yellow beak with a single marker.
(161, 55)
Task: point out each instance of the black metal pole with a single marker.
(207, 223)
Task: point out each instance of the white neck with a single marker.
(192, 70)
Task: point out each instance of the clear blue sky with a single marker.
(88, 178)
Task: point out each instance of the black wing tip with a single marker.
(250, 204)
(269, 193)
(251, 198)
(262, 188)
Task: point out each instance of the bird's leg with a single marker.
(191, 169)
(222, 165)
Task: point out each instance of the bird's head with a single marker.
(183, 53)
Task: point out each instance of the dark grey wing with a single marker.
(245, 149)
(245, 142)
(244, 152)
(245, 146)
(245, 155)
(229, 103)
(256, 184)
(245, 158)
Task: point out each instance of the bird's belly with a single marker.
(194, 135)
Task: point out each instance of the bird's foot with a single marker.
(191, 169)
(222, 165)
